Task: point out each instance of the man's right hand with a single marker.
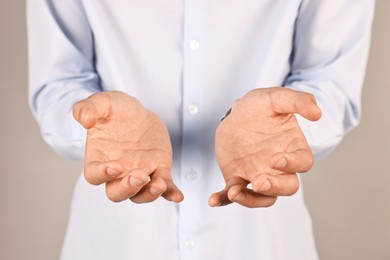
(128, 148)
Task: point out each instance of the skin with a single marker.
(260, 142)
(128, 148)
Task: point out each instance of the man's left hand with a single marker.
(261, 143)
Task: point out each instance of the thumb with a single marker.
(286, 100)
(85, 113)
(88, 111)
(172, 192)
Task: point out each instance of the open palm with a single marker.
(128, 148)
(261, 143)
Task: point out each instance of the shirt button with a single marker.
(194, 45)
(193, 110)
(190, 243)
(191, 175)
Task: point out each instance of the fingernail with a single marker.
(281, 163)
(135, 181)
(154, 191)
(112, 172)
(266, 186)
(240, 197)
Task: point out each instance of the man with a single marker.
(151, 80)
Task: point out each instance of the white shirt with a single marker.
(188, 61)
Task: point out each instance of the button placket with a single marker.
(192, 126)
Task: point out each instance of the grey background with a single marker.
(347, 194)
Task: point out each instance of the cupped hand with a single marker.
(128, 148)
(261, 143)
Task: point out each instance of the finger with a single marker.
(301, 160)
(172, 193)
(139, 177)
(99, 172)
(126, 187)
(285, 100)
(248, 198)
(276, 185)
(151, 191)
(221, 198)
(85, 112)
(88, 111)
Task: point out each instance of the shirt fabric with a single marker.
(188, 61)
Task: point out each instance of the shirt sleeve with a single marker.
(331, 46)
(61, 71)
